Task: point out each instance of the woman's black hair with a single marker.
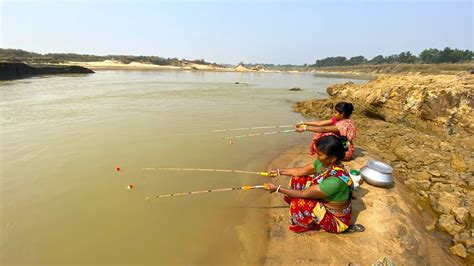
(333, 145)
(344, 108)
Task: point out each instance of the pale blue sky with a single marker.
(279, 32)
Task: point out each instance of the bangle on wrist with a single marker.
(305, 127)
(278, 171)
(278, 188)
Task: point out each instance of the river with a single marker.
(62, 137)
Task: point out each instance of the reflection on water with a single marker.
(62, 137)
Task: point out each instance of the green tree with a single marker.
(332, 61)
(378, 60)
(407, 58)
(449, 55)
(392, 59)
(430, 56)
(356, 60)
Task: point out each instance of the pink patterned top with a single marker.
(346, 128)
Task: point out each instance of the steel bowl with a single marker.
(375, 177)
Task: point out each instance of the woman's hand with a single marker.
(299, 124)
(301, 128)
(270, 187)
(273, 173)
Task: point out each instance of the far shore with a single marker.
(116, 65)
(356, 71)
(364, 71)
(135, 66)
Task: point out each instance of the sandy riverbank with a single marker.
(421, 125)
(395, 228)
(117, 65)
(360, 71)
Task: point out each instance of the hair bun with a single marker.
(345, 142)
(351, 106)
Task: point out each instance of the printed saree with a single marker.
(310, 214)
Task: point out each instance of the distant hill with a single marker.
(17, 56)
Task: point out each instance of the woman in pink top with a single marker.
(339, 125)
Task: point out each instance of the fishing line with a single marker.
(248, 128)
(261, 134)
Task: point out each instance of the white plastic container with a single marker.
(356, 178)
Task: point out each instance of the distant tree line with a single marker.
(427, 56)
(16, 55)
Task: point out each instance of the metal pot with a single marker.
(380, 166)
(376, 178)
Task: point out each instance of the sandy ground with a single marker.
(116, 65)
(395, 228)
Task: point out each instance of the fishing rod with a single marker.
(207, 170)
(248, 128)
(208, 191)
(260, 134)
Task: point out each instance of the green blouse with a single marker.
(335, 189)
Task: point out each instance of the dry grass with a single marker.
(400, 69)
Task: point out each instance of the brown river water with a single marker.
(61, 200)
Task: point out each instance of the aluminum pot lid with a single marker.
(379, 166)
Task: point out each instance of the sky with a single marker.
(229, 32)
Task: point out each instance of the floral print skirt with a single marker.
(312, 214)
